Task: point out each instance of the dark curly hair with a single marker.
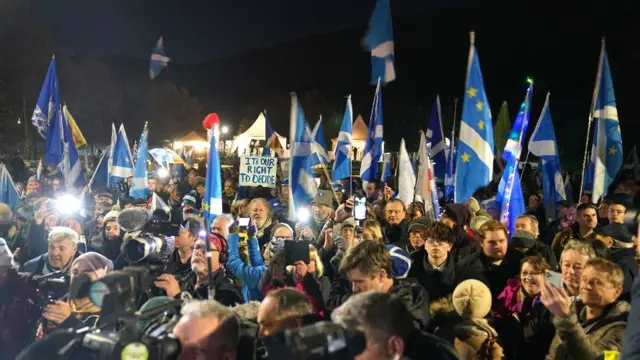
(439, 231)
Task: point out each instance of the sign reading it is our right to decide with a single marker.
(258, 171)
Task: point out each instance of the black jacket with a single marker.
(625, 258)
(437, 283)
(479, 267)
(179, 270)
(416, 299)
(226, 291)
(532, 247)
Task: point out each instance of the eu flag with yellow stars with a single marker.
(474, 166)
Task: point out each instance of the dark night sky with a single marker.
(230, 52)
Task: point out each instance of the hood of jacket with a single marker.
(416, 299)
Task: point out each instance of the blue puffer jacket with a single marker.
(250, 275)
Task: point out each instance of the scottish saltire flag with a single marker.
(406, 176)
(302, 186)
(387, 171)
(272, 142)
(122, 162)
(8, 192)
(70, 165)
(435, 136)
(159, 59)
(134, 149)
(509, 191)
(48, 102)
(139, 184)
(379, 40)
(543, 144)
(449, 177)
(474, 160)
(212, 202)
(320, 153)
(607, 140)
(100, 177)
(342, 161)
(373, 145)
(166, 157)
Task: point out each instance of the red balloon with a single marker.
(211, 120)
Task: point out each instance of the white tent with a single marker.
(256, 131)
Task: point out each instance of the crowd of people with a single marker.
(460, 286)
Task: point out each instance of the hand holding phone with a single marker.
(360, 208)
(554, 278)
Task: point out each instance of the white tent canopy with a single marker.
(256, 131)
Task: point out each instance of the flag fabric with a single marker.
(167, 157)
(212, 202)
(379, 40)
(100, 177)
(449, 177)
(607, 139)
(158, 203)
(302, 186)
(509, 190)
(474, 160)
(435, 136)
(139, 184)
(70, 166)
(387, 171)
(112, 145)
(501, 130)
(342, 158)
(48, 101)
(78, 138)
(373, 144)
(319, 146)
(134, 150)
(273, 142)
(122, 164)
(39, 170)
(159, 59)
(8, 192)
(543, 144)
(406, 176)
(425, 182)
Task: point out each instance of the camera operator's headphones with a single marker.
(222, 246)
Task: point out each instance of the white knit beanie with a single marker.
(472, 299)
(6, 257)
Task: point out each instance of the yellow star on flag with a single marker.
(205, 206)
(465, 157)
(472, 92)
(481, 124)
(479, 105)
(612, 151)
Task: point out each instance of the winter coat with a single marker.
(477, 340)
(533, 247)
(40, 265)
(249, 274)
(479, 267)
(416, 299)
(17, 318)
(438, 284)
(626, 259)
(524, 323)
(563, 237)
(578, 339)
(225, 292)
(36, 242)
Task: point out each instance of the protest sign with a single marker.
(258, 171)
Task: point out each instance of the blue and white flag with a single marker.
(140, 184)
(158, 203)
(379, 40)
(435, 136)
(302, 186)
(449, 177)
(212, 202)
(543, 144)
(607, 139)
(342, 161)
(8, 192)
(159, 59)
(48, 104)
(122, 162)
(100, 177)
(406, 175)
(320, 153)
(509, 194)
(475, 145)
(373, 145)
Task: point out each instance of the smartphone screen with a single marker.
(243, 223)
(360, 208)
(553, 278)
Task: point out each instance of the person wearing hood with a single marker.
(368, 266)
(112, 236)
(322, 212)
(396, 227)
(457, 217)
(617, 238)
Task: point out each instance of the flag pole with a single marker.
(526, 161)
(593, 104)
(350, 151)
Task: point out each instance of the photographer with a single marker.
(15, 320)
(179, 265)
(63, 248)
(74, 313)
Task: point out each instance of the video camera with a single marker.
(320, 341)
(48, 288)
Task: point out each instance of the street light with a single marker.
(224, 129)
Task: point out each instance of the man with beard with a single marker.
(322, 211)
(260, 213)
(225, 291)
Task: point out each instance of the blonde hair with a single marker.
(615, 273)
(313, 256)
(375, 229)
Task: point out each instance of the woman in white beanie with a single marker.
(475, 338)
